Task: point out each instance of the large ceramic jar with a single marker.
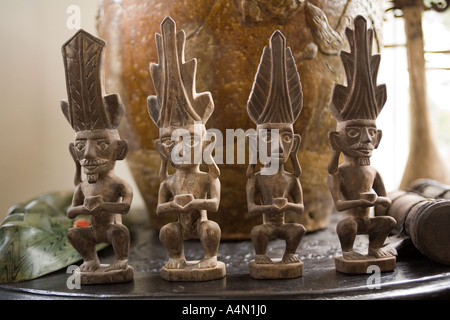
(227, 38)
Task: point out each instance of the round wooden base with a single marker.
(100, 276)
(361, 266)
(192, 274)
(276, 270)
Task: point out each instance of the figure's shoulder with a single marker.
(345, 168)
(79, 189)
(258, 176)
(168, 181)
(200, 176)
(82, 186)
(114, 181)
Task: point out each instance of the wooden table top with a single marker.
(415, 276)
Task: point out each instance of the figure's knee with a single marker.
(119, 232)
(293, 231)
(257, 231)
(262, 232)
(391, 222)
(80, 234)
(210, 230)
(81, 238)
(347, 226)
(72, 234)
(384, 223)
(170, 232)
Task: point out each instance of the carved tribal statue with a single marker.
(104, 196)
(355, 185)
(274, 104)
(181, 114)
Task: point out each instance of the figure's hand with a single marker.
(367, 199)
(97, 210)
(188, 207)
(168, 207)
(362, 203)
(110, 208)
(92, 203)
(383, 201)
(183, 201)
(74, 212)
(276, 209)
(279, 204)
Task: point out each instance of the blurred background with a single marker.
(34, 135)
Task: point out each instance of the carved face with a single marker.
(97, 151)
(279, 145)
(358, 138)
(183, 147)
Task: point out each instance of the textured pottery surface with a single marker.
(227, 38)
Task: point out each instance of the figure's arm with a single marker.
(379, 188)
(297, 198)
(342, 205)
(164, 203)
(212, 203)
(253, 208)
(77, 208)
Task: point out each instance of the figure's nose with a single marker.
(365, 136)
(280, 146)
(90, 152)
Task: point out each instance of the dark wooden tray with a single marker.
(415, 276)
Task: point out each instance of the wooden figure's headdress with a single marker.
(361, 98)
(176, 103)
(276, 95)
(87, 107)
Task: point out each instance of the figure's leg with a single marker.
(347, 230)
(379, 229)
(209, 234)
(261, 235)
(171, 237)
(83, 240)
(119, 236)
(292, 233)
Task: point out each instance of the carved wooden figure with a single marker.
(181, 114)
(274, 104)
(355, 185)
(104, 196)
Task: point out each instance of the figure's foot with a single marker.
(206, 263)
(118, 265)
(262, 259)
(90, 266)
(352, 255)
(382, 252)
(176, 263)
(290, 258)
